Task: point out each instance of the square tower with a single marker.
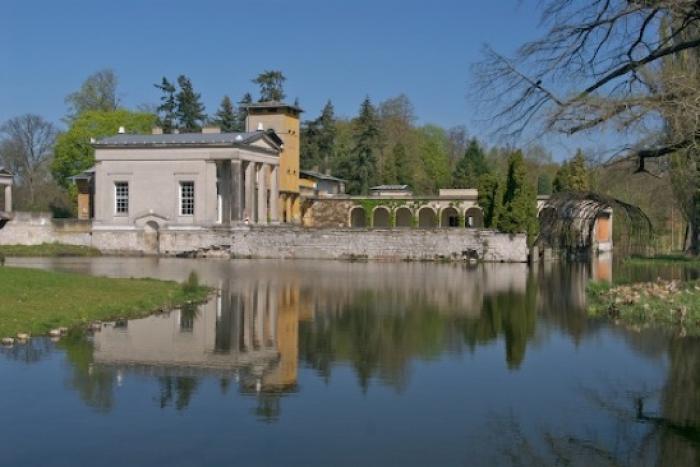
(284, 120)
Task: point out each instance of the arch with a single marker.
(404, 217)
(449, 217)
(427, 219)
(358, 218)
(381, 217)
(151, 237)
(474, 218)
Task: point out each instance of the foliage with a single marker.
(190, 110)
(242, 113)
(271, 84)
(544, 184)
(471, 167)
(48, 250)
(435, 171)
(191, 285)
(97, 93)
(73, 152)
(226, 116)
(36, 301)
(573, 175)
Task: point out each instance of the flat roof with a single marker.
(320, 176)
(271, 105)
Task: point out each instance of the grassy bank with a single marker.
(48, 249)
(37, 301)
(670, 304)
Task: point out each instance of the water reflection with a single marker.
(277, 330)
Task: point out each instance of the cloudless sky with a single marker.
(328, 49)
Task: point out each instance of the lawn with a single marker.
(664, 260)
(36, 301)
(48, 249)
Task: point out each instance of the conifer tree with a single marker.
(490, 199)
(470, 167)
(167, 110)
(326, 135)
(363, 158)
(242, 113)
(544, 184)
(190, 110)
(519, 208)
(271, 84)
(226, 116)
(573, 175)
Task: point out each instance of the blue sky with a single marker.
(327, 49)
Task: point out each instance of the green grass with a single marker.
(671, 259)
(37, 301)
(673, 305)
(48, 249)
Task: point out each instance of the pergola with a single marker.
(6, 183)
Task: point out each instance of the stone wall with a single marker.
(276, 241)
(37, 228)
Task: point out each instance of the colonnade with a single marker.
(249, 192)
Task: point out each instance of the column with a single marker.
(249, 191)
(8, 198)
(262, 194)
(237, 192)
(225, 191)
(274, 194)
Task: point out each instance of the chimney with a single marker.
(208, 130)
(156, 130)
(315, 168)
(327, 172)
(260, 126)
(121, 130)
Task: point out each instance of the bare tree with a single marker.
(26, 148)
(98, 92)
(622, 65)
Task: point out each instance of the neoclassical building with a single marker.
(203, 180)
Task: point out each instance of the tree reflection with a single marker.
(178, 390)
(94, 383)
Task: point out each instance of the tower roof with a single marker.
(272, 105)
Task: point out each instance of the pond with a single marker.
(355, 363)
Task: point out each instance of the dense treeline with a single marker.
(382, 144)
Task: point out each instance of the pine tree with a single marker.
(271, 84)
(243, 112)
(310, 156)
(470, 167)
(573, 175)
(519, 209)
(327, 132)
(363, 158)
(167, 110)
(226, 116)
(190, 110)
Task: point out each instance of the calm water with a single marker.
(330, 363)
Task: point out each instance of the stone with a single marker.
(8, 341)
(23, 336)
(55, 333)
(63, 330)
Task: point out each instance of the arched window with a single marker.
(404, 217)
(358, 218)
(474, 218)
(381, 218)
(427, 219)
(449, 217)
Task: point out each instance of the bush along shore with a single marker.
(36, 302)
(674, 305)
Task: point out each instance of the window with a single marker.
(121, 197)
(186, 198)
